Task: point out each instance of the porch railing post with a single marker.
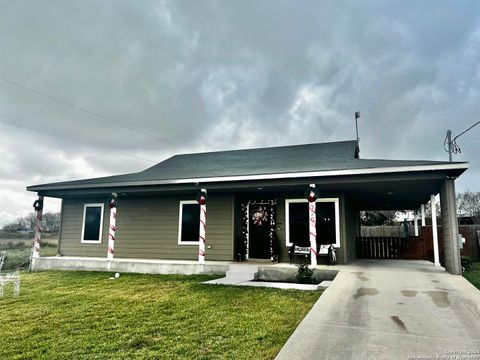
(436, 256)
(415, 223)
(422, 210)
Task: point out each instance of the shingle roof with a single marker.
(331, 156)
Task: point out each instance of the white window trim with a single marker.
(99, 241)
(337, 217)
(180, 214)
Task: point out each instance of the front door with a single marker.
(259, 231)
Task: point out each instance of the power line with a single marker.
(70, 139)
(463, 132)
(76, 107)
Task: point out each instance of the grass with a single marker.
(83, 315)
(473, 275)
(19, 247)
(15, 236)
(18, 254)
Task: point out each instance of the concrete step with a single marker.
(243, 267)
(237, 276)
(241, 272)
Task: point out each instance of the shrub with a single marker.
(466, 262)
(304, 274)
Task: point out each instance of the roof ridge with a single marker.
(416, 160)
(263, 148)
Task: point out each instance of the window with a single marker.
(189, 223)
(297, 225)
(92, 223)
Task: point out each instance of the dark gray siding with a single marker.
(147, 228)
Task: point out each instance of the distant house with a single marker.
(256, 205)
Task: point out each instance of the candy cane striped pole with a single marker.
(112, 226)
(38, 228)
(203, 224)
(312, 227)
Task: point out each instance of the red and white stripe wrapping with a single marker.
(111, 232)
(38, 230)
(203, 225)
(312, 229)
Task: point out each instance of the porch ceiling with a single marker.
(387, 192)
(395, 195)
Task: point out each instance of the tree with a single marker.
(468, 204)
(50, 223)
(30, 221)
(377, 218)
(14, 226)
(428, 209)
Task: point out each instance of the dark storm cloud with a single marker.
(209, 75)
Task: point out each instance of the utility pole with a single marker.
(450, 144)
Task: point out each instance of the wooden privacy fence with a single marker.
(414, 247)
(384, 247)
(385, 230)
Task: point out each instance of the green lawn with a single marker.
(473, 275)
(83, 315)
(18, 254)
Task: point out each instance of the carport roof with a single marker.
(285, 162)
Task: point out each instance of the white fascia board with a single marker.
(294, 175)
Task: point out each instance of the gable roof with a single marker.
(333, 158)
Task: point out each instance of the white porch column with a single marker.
(112, 227)
(415, 223)
(38, 206)
(422, 210)
(436, 256)
(202, 200)
(312, 215)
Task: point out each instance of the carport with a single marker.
(411, 191)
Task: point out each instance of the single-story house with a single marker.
(256, 204)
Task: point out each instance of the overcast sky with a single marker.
(192, 76)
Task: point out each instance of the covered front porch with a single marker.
(247, 220)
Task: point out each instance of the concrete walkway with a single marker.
(390, 309)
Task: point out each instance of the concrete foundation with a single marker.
(130, 265)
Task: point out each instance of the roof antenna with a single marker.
(357, 149)
(357, 115)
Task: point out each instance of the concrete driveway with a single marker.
(390, 309)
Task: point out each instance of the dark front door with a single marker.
(259, 239)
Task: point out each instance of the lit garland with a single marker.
(243, 245)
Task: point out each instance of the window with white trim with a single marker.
(92, 223)
(189, 222)
(297, 224)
